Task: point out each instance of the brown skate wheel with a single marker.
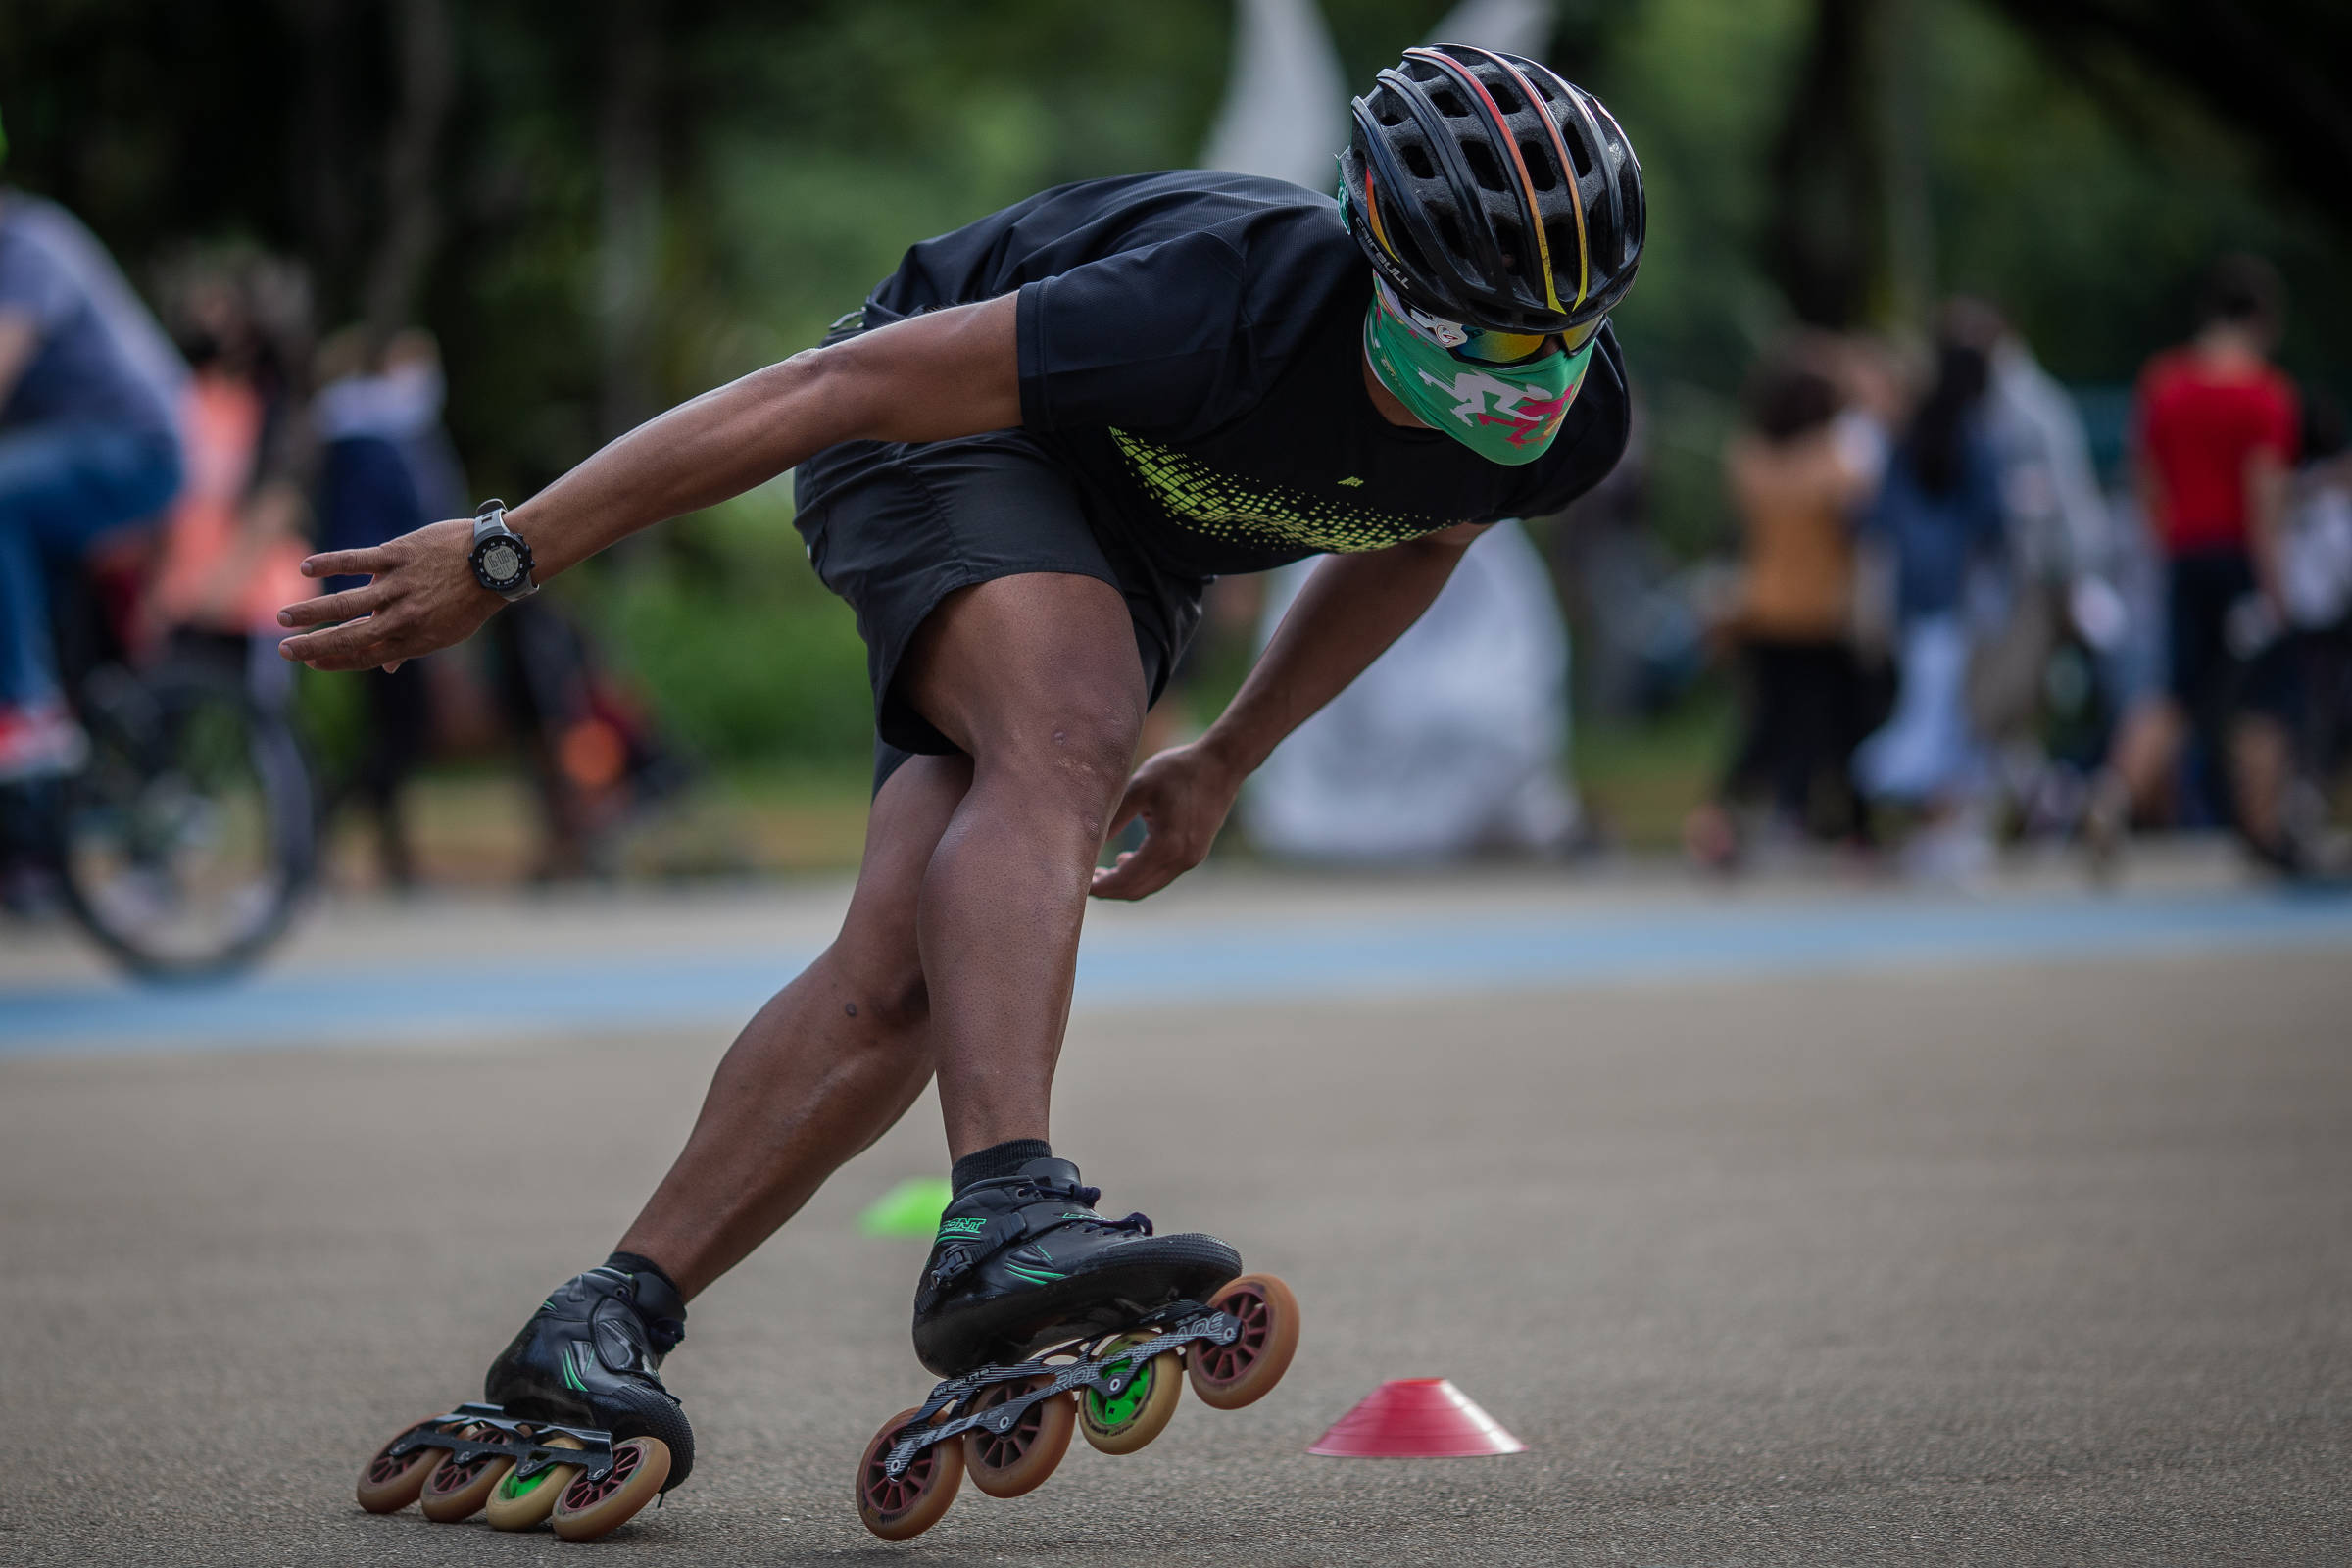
(1005, 1464)
(454, 1491)
(899, 1508)
(523, 1502)
(588, 1507)
(388, 1485)
(1123, 1422)
(1227, 1377)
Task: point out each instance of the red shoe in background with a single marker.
(39, 740)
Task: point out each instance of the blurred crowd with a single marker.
(164, 473)
(1949, 633)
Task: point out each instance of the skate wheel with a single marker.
(455, 1492)
(521, 1502)
(1227, 1377)
(587, 1508)
(897, 1508)
(388, 1485)
(1005, 1464)
(1123, 1422)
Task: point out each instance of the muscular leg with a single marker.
(1036, 677)
(962, 940)
(823, 1070)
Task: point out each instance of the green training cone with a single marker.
(910, 1209)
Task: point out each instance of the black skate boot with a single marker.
(590, 1357)
(1024, 1262)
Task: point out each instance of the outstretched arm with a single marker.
(931, 377)
(1348, 613)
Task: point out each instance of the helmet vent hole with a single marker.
(1504, 99)
(1539, 166)
(1581, 153)
(1450, 105)
(1417, 159)
(1450, 232)
(1388, 107)
(1483, 167)
(1560, 236)
(1513, 240)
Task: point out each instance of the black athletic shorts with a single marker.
(895, 529)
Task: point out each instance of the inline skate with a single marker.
(574, 1426)
(1043, 1317)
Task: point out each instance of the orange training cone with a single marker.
(1416, 1418)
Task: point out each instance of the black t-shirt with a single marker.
(1191, 345)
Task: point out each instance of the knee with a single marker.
(1073, 755)
(892, 998)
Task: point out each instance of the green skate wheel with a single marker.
(1123, 1422)
(388, 1485)
(523, 1502)
(1227, 1377)
(588, 1508)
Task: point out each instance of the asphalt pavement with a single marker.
(1833, 1248)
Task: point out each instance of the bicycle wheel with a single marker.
(191, 833)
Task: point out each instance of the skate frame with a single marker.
(529, 1453)
(1188, 1323)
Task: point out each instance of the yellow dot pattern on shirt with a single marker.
(1260, 512)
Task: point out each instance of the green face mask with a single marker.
(1506, 414)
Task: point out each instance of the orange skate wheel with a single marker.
(1227, 1377)
(1123, 1422)
(388, 1485)
(589, 1508)
(1005, 1464)
(899, 1507)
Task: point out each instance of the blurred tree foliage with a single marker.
(603, 208)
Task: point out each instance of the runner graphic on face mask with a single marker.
(1021, 461)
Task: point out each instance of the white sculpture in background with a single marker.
(1453, 740)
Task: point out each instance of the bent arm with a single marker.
(1348, 613)
(1351, 609)
(20, 336)
(931, 377)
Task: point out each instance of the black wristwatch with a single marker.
(502, 562)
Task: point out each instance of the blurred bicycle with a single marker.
(185, 837)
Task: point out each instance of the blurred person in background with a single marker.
(89, 442)
(2215, 432)
(1798, 479)
(1021, 461)
(1939, 511)
(233, 542)
(383, 472)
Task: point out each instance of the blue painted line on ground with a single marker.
(1394, 953)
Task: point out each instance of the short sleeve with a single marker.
(1153, 338)
(32, 284)
(2282, 429)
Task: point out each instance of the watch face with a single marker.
(501, 563)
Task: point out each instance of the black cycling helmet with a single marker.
(1491, 190)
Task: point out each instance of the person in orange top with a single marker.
(1796, 482)
(2214, 433)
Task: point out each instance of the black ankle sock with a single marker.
(632, 1263)
(997, 1159)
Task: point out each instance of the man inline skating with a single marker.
(1021, 461)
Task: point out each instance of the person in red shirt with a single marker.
(2214, 434)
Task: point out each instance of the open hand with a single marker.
(421, 596)
(1183, 796)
